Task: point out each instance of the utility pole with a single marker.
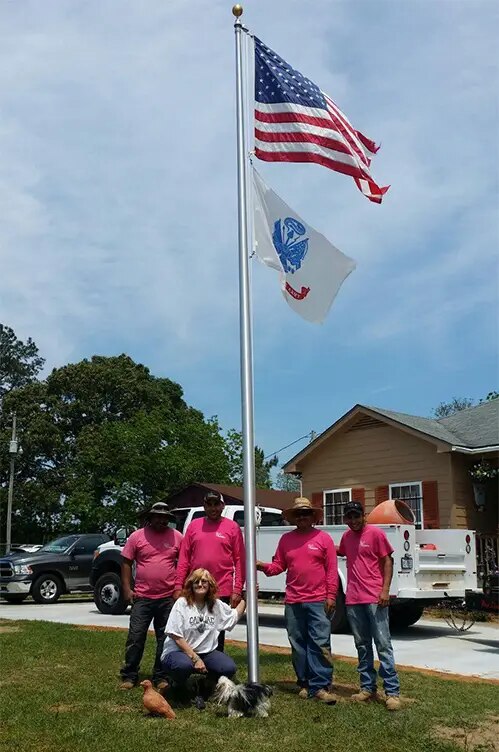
(13, 449)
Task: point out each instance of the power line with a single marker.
(310, 434)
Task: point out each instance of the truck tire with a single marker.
(405, 615)
(339, 621)
(108, 595)
(14, 597)
(47, 588)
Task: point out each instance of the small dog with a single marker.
(249, 700)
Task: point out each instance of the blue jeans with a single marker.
(369, 622)
(179, 666)
(309, 633)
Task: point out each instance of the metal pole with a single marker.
(246, 364)
(12, 452)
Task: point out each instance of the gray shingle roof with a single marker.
(474, 427)
(477, 426)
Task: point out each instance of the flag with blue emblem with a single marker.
(297, 122)
(312, 269)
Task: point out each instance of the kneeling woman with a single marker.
(192, 630)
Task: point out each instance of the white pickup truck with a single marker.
(429, 565)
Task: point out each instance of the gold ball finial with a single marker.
(237, 10)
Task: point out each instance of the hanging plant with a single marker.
(483, 471)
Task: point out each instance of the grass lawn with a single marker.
(58, 686)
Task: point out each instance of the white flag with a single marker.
(312, 269)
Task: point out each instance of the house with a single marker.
(193, 495)
(371, 454)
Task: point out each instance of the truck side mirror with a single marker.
(121, 536)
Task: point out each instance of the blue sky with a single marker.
(118, 200)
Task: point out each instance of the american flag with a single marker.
(297, 122)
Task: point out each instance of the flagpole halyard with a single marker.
(246, 356)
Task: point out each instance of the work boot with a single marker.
(393, 702)
(161, 685)
(364, 696)
(327, 697)
(127, 684)
(303, 693)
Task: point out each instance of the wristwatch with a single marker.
(195, 658)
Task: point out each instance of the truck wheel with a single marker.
(339, 622)
(108, 595)
(14, 597)
(404, 616)
(47, 588)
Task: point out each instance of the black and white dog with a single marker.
(250, 700)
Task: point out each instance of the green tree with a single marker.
(456, 404)
(287, 482)
(444, 409)
(19, 361)
(490, 396)
(101, 439)
(234, 453)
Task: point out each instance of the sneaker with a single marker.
(393, 702)
(303, 693)
(364, 696)
(161, 685)
(127, 684)
(327, 697)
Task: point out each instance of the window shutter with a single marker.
(359, 494)
(381, 493)
(431, 516)
(318, 502)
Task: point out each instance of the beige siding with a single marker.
(377, 456)
(465, 513)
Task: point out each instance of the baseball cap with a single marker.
(214, 496)
(353, 506)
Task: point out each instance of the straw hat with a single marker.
(298, 504)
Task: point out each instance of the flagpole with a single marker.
(246, 355)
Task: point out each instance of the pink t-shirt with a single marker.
(155, 555)
(309, 558)
(364, 551)
(215, 546)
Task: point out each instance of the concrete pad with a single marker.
(429, 644)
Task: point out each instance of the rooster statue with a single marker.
(154, 703)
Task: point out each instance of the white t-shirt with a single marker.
(199, 627)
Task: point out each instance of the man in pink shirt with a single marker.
(214, 543)
(369, 574)
(154, 549)
(309, 558)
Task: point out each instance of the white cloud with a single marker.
(118, 186)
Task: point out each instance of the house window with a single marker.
(412, 494)
(334, 501)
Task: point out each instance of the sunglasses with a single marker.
(212, 503)
(304, 513)
(353, 515)
(200, 582)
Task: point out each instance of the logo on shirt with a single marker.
(364, 545)
(220, 535)
(201, 622)
(313, 547)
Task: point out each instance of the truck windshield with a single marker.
(59, 545)
(180, 518)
